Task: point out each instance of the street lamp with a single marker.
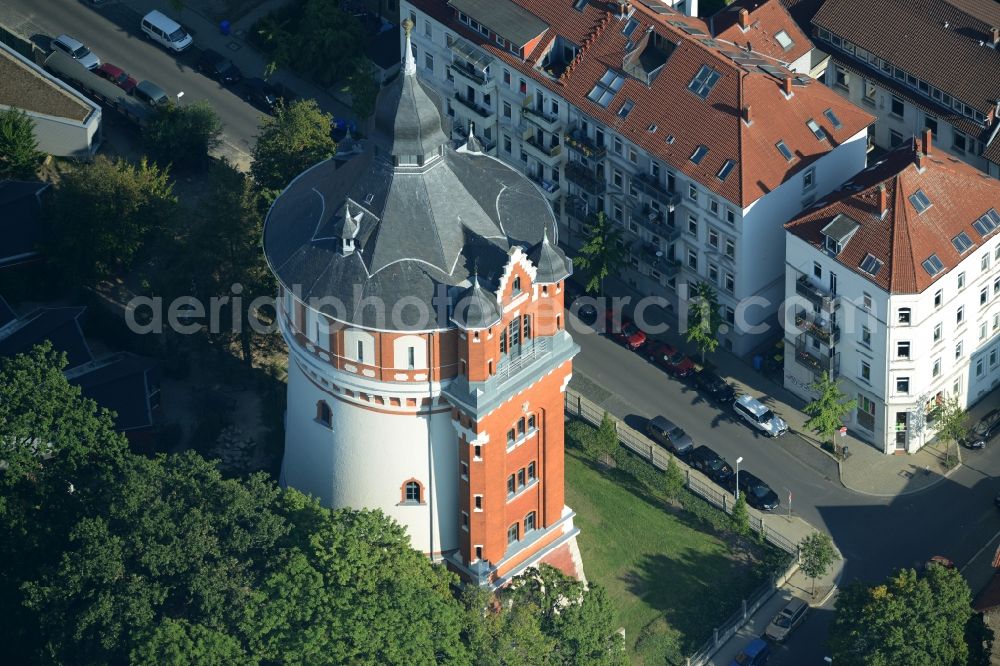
(736, 492)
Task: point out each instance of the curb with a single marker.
(915, 491)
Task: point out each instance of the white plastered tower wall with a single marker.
(369, 453)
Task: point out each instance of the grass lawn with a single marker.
(670, 582)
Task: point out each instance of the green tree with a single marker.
(605, 440)
(601, 255)
(102, 214)
(363, 87)
(816, 556)
(914, 619)
(181, 643)
(740, 517)
(501, 634)
(673, 479)
(183, 135)
(952, 422)
(827, 411)
(704, 319)
(296, 138)
(221, 256)
(19, 154)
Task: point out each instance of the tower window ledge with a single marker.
(520, 491)
(411, 503)
(513, 444)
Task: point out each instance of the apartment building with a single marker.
(699, 148)
(893, 288)
(927, 65)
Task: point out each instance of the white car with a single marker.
(77, 51)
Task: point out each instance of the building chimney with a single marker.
(786, 85)
(883, 200)
(921, 161)
(996, 36)
(747, 118)
(927, 141)
(744, 18)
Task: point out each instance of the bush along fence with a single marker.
(580, 407)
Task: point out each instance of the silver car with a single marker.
(77, 51)
(786, 620)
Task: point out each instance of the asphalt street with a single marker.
(955, 518)
(112, 32)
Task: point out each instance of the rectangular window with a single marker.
(898, 107)
(465, 470)
(361, 351)
(936, 370)
(904, 316)
(693, 225)
(961, 280)
(693, 259)
(937, 332)
(866, 336)
(984, 296)
(531, 471)
(713, 206)
(982, 331)
(713, 273)
(869, 92)
(692, 193)
(938, 298)
(903, 349)
(895, 138)
(866, 371)
(984, 261)
(618, 146)
(960, 314)
(817, 270)
(730, 248)
(510, 485)
(808, 179)
(506, 110)
(429, 61)
(959, 352)
(903, 385)
(866, 301)
(730, 283)
(411, 357)
(730, 218)
(465, 521)
(520, 478)
(506, 143)
(713, 237)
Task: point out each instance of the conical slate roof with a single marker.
(552, 264)
(476, 307)
(418, 227)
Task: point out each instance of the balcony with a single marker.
(578, 209)
(578, 141)
(821, 298)
(654, 189)
(541, 119)
(470, 104)
(654, 221)
(819, 327)
(816, 361)
(585, 179)
(657, 259)
(470, 74)
(550, 155)
(550, 189)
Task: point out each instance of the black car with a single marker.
(670, 435)
(986, 429)
(757, 493)
(265, 96)
(714, 387)
(217, 66)
(711, 464)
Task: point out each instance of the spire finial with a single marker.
(409, 63)
(545, 235)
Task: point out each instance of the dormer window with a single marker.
(832, 245)
(837, 234)
(515, 288)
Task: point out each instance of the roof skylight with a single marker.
(871, 265)
(920, 201)
(626, 107)
(832, 117)
(987, 223)
(962, 242)
(784, 40)
(704, 81)
(816, 129)
(727, 166)
(785, 152)
(699, 154)
(933, 265)
(630, 27)
(606, 88)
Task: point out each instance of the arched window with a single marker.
(529, 522)
(413, 492)
(323, 413)
(516, 287)
(514, 533)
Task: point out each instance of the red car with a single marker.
(671, 360)
(628, 334)
(117, 76)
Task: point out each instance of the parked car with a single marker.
(77, 51)
(217, 66)
(715, 388)
(264, 95)
(758, 416)
(986, 429)
(117, 76)
(671, 360)
(670, 435)
(787, 619)
(756, 653)
(150, 93)
(627, 334)
(165, 31)
(757, 493)
(711, 464)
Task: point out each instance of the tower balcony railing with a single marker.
(816, 361)
(585, 179)
(578, 141)
(821, 298)
(820, 327)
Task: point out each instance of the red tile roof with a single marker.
(903, 239)
(766, 19)
(714, 122)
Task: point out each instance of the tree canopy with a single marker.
(183, 135)
(601, 255)
(296, 138)
(19, 154)
(816, 555)
(827, 411)
(918, 619)
(103, 213)
(704, 319)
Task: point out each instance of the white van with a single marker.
(759, 416)
(165, 31)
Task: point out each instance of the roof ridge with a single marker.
(901, 233)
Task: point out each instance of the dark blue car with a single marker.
(756, 653)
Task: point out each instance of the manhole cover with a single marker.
(233, 46)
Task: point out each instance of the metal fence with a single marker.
(580, 407)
